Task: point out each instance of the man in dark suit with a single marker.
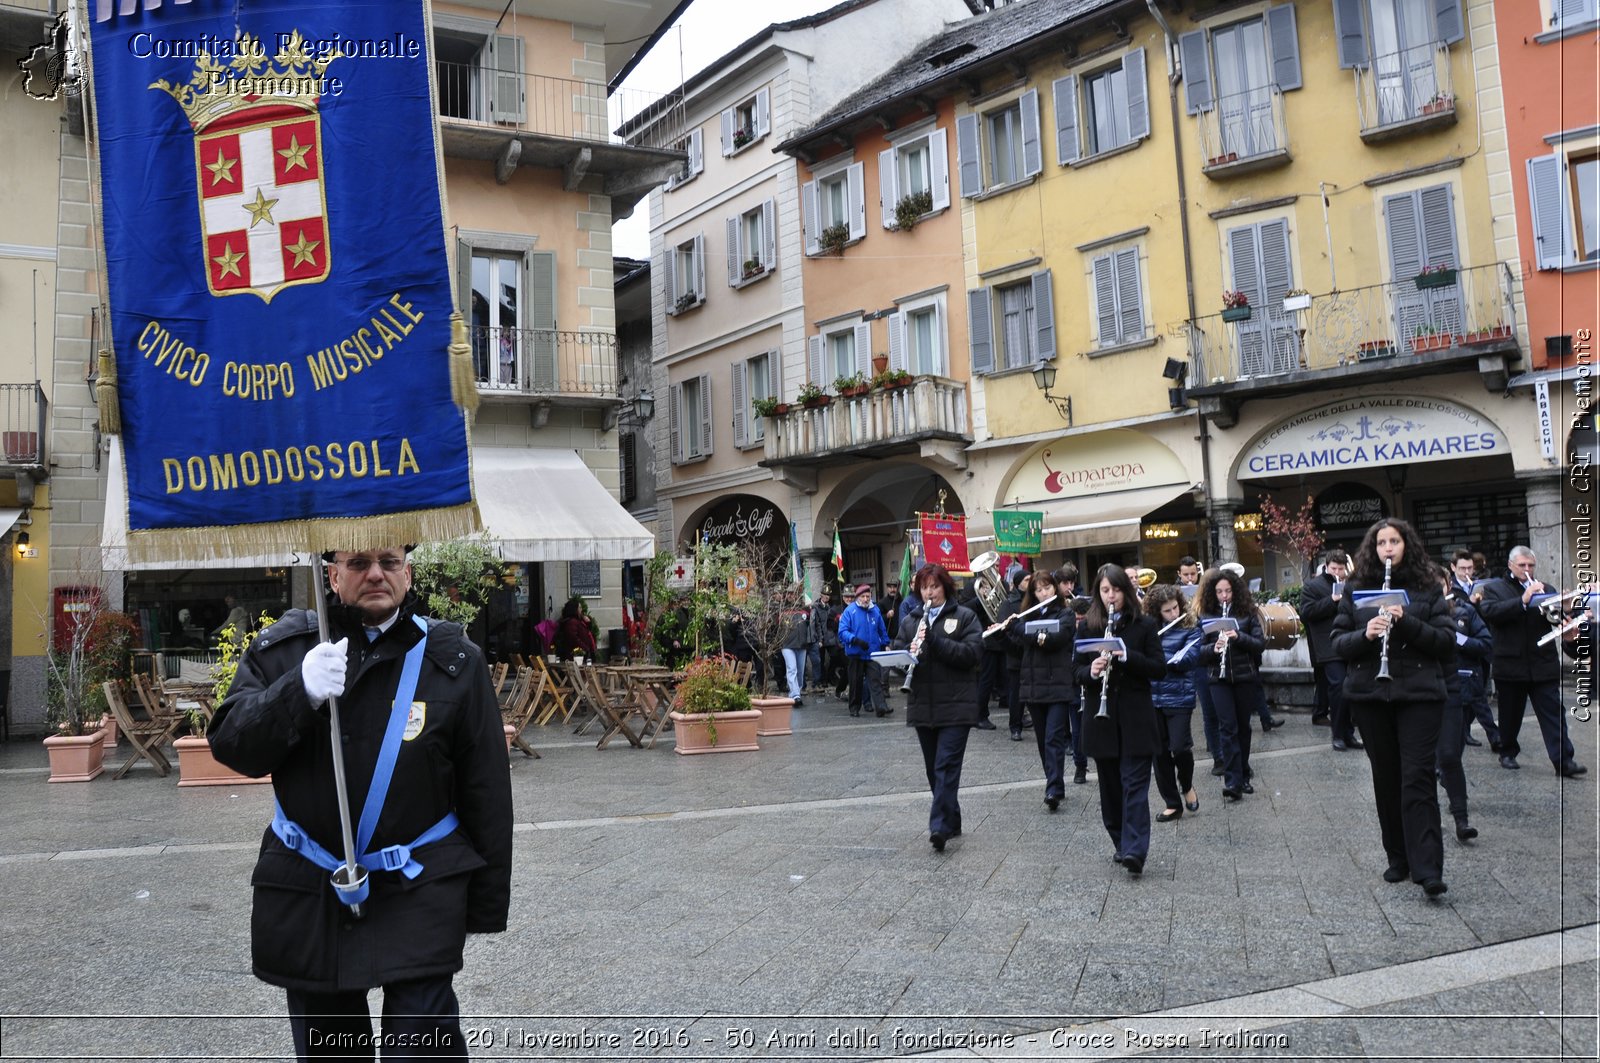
(1525, 671)
(1463, 574)
(1319, 605)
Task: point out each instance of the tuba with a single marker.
(1146, 578)
(989, 584)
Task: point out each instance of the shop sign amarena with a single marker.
(1372, 433)
(1075, 466)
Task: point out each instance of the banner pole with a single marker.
(354, 874)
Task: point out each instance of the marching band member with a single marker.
(1174, 696)
(1047, 679)
(1230, 660)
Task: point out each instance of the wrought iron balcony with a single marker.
(927, 416)
(557, 108)
(1244, 132)
(22, 424)
(1440, 322)
(576, 368)
(1405, 92)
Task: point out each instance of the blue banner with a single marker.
(276, 269)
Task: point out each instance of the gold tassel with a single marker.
(105, 395)
(175, 546)
(463, 382)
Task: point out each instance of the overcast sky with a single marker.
(704, 34)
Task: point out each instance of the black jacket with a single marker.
(1317, 610)
(1131, 726)
(944, 685)
(1008, 609)
(1244, 651)
(301, 937)
(1049, 672)
(1517, 629)
(1422, 646)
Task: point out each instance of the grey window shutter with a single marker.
(1447, 20)
(897, 340)
(1032, 148)
(1405, 235)
(675, 422)
(1044, 317)
(763, 112)
(705, 414)
(864, 348)
(541, 287)
(980, 331)
(1350, 31)
(464, 281)
(1105, 299)
(1065, 93)
(669, 273)
(697, 151)
(1130, 305)
(887, 198)
(1138, 94)
(1285, 44)
(740, 430)
(1547, 193)
(769, 233)
(727, 131)
(1246, 263)
(816, 347)
(808, 204)
(505, 62)
(856, 198)
(1196, 71)
(971, 173)
(700, 266)
(1571, 12)
(735, 252)
(1276, 265)
(775, 373)
(1438, 227)
(939, 168)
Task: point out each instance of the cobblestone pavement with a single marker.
(786, 905)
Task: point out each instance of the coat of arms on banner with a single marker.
(258, 167)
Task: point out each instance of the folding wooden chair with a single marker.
(650, 701)
(156, 701)
(497, 676)
(147, 735)
(518, 712)
(557, 693)
(610, 708)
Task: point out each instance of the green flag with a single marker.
(905, 570)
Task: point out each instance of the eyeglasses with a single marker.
(363, 564)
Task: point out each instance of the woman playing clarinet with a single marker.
(1048, 679)
(1229, 656)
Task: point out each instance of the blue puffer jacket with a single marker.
(1176, 691)
(861, 631)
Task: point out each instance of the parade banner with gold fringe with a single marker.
(270, 205)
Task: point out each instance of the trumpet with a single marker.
(916, 650)
(1383, 656)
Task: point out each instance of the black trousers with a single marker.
(991, 680)
(1343, 727)
(943, 749)
(1014, 695)
(1175, 762)
(1050, 734)
(421, 1020)
(856, 676)
(1235, 704)
(1453, 723)
(1402, 740)
(1125, 802)
(1546, 697)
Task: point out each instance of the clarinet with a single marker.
(1383, 656)
(922, 629)
(1105, 676)
(1222, 669)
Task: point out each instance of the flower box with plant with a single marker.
(686, 301)
(196, 765)
(741, 137)
(1235, 306)
(1441, 102)
(1296, 299)
(1435, 277)
(848, 387)
(1491, 334)
(812, 397)
(711, 710)
(769, 407)
(910, 210)
(1375, 349)
(893, 378)
(753, 267)
(1429, 338)
(1223, 159)
(833, 238)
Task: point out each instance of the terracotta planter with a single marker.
(890, 385)
(816, 404)
(850, 393)
(197, 767)
(775, 716)
(880, 362)
(76, 758)
(108, 730)
(736, 731)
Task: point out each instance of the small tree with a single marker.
(231, 644)
(455, 578)
(1288, 533)
(767, 607)
(96, 647)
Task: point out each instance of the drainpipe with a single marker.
(1175, 75)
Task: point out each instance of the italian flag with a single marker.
(838, 554)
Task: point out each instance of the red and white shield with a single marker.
(263, 210)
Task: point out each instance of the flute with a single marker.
(996, 628)
(1383, 656)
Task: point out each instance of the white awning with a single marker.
(542, 504)
(1100, 520)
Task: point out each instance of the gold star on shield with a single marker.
(222, 168)
(261, 209)
(228, 262)
(304, 250)
(295, 155)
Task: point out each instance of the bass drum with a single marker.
(1280, 624)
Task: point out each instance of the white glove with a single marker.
(322, 671)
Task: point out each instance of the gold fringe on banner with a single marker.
(105, 395)
(177, 546)
(463, 382)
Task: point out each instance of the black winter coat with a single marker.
(944, 685)
(1049, 672)
(1517, 629)
(1131, 727)
(1244, 651)
(301, 937)
(1422, 645)
(1013, 652)
(1317, 610)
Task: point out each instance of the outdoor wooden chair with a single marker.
(147, 734)
(558, 693)
(156, 701)
(651, 701)
(519, 711)
(611, 708)
(497, 676)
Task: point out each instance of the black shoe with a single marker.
(798, 703)
(1194, 804)
(1080, 776)
(1496, 746)
(1247, 788)
(855, 712)
(1397, 873)
(985, 725)
(1571, 770)
(1134, 865)
(1230, 795)
(1433, 887)
(1216, 767)
(1339, 745)
(1272, 722)
(1472, 741)
(881, 713)
(937, 841)
(888, 711)
(1027, 721)
(1355, 743)
(1052, 803)
(1509, 762)
(1320, 719)
(1016, 735)
(1167, 815)
(1465, 831)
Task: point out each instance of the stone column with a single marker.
(1547, 527)
(1221, 514)
(815, 561)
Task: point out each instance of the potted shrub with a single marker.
(685, 301)
(1375, 349)
(96, 650)
(711, 710)
(910, 210)
(1435, 277)
(1235, 306)
(741, 137)
(769, 407)
(196, 765)
(833, 238)
(848, 387)
(813, 397)
(752, 268)
(893, 378)
(1442, 101)
(1297, 299)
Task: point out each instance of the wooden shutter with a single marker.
(775, 372)
(700, 266)
(464, 281)
(1402, 214)
(735, 252)
(1032, 146)
(888, 179)
(1284, 42)
(505, 79)
(939, 169)
(697, 151)
(812, 220)
(897, 340)
(669, 274)
(1437, 210)
(740, 418)
(1138, 95)
(1447, 20)
(816, 349)
(1065, 94)
(1570, 13)
(628, 448)
(675, 422)
(967, 159)
(763, 112)
(1130, 305)
(1105, 299)
(863, 348)
(705, 415)
(1249, 335)
(541, 295)
(1276, 267)
(1196, 71)
(980, 330)
(855, 183)
(1044, 317)
(1350, 31)
(1552, 230)
(727, 132)
(769, 233)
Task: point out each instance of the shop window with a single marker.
(1000, 147)
(1101, 111)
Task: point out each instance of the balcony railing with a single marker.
(556, 107)
(1405, 91)
(1397, 322)
(1245, 131)
(929, 407)
(22, 423)
(542, 362)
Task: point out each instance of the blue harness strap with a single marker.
(391, 857)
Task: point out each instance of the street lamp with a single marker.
(1044, 378)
